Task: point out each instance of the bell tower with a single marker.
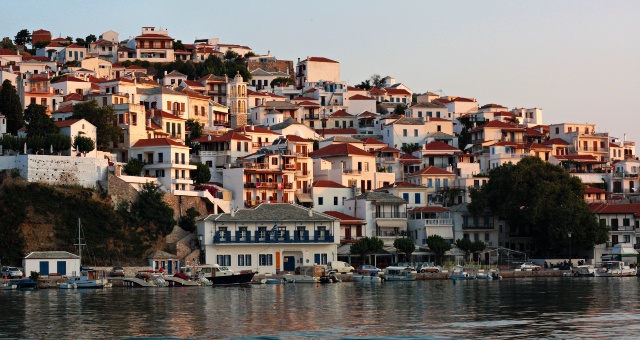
(237, 101)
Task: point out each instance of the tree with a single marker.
(151, 208)
(365, 85)
(188, 221)
(376, 81)
(70, 39)
(542, 200)
(103, 119)
(465, 245)
(23, 37)
(81, 42)
(90, 38)
(10, 107)
(400, 109)
(281, 81)
(201, 174)
(83, 144)
(477, 247)
(410, 148)
(134, 167)
(230, 55)
(178, 45)
(39, 123)
(59, 142)
(36, 143)
(405, 245)
(438, 246)
(366, 246)
(8, 44)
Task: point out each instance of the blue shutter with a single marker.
(61, 267)
(316, 258)
(417, 198)
(44, 268)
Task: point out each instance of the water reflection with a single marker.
(541, 307)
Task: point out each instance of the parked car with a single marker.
(531, 266)
(428, 267)
(367, 269)
(340, 267)
(11, 272)
(117, 272)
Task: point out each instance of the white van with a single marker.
(340, 267)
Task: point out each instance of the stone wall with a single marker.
(285, 66)
(58, 170)
(120, 190)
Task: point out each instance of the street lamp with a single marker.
(569, 234)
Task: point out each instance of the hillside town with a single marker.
(300, 163)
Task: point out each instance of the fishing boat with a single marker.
(614, 269)
(220, 275)
(306, 274)
(87, 278)
(462, 273)
(399, 274)
(584, 270)
(25, 284)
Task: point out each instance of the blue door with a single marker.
(62, 267)
(44, 268)
(289, 263)
(170, 262)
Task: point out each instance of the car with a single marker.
(530, 266)
(11, 272)
(117, 272)
(367, 269)
(340, 267)
(427, 267)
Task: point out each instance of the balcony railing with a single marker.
(438, 221)
(214, 153)
(383, 214)
(351, 171)
(622, 228)
(592, 149)
(387, 159)
(289, 166)
(311, 116)
(626, 174)
(253, 203)
(216, 93)
(302, 173)
(477, 226)
(273, 237)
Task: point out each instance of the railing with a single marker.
(176, 136)
(273, 237)
(438, 221)
(288, 185)
(259, 144)
(39, 90)
(592, 149)
(351, 171)
(626, 174)
(622, 228)
(302, 154)
(383, 214)
(311, 116)
(479, 226)
(387, 159)
(289, 166)
(214, 153)
(366, 125)
(302, 173)
(178, 112)
(255, 165)
(216, 93)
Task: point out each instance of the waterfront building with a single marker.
(385, 214)
(269, 238)
(167, 160)
(623, 221)
(51, 262)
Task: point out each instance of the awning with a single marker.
(391, 223)
(445, 231)
(344, 249)
(304, 198)
(625, 250)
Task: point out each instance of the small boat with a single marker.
(462, 273)
(8, 286)
(614, 269)
(88, 277)
(180, 280)
(220, 275)
(67, 285)
(483, 276)
(584, 270)
(307, 274)
(367, 278)
(25, 284)
(399, 274)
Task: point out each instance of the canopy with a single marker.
(625, 250)
(400, 223)
(445, 231)
(304, 198)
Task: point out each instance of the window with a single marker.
(320, 258)
(627, 239)
(416, 197)
(266, 259)
(160, 157)
(405, 196)
(419, 114)
(262, 232)
(625, 222)
(335, 200)
(274, 161)
(223, 260)
(300, 231)
(239, 146)
(429, 183)
(415, 132)
(320, 200)
(337, 124)
(404, 132)
(486, 237)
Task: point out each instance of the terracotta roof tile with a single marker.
(337, 131)
(339, 150)
(360, 97)
(156, 142)
(327, 184)
(432, 170)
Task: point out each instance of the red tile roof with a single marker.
(339, 150)
(69, 78)
(605, 208)
(327, 184)
(254, 129)
(337, 131)
(164, 114)
(154, 36)
(409, 159)
(340, 113)
(397, 92)
(193, 83)
(321, 60)
(401, 185)
(497, 124)
(223, 138)
(74, 46)
(440, 146)
(360, 97)
(428, 209)
(376, 90)
(66, 123)
(372, 141)
(157, 142)
(555, 141)
(436, 119)
(73, 96)
(308, 104)
(344, 218)
(432, 170)
(297, 139)
(593, 190)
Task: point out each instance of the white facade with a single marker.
(167, 160)
(51, 262)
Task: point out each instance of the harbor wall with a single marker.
(58, 170)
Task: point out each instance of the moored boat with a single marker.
(25, 284)
(614, 269)
(306, 274)
(220, 275)
(584, 270)
(367, 278)
(462, 273)
(399, 274)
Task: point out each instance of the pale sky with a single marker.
(577, 60)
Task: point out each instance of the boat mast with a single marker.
(79, 244)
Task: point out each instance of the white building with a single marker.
(79, 127)
(51, 262)
(167, 160)
(329, 195)
(315, 69)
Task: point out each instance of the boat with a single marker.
(87, 278)
(395, 273)
(25, 284)
(584, 270)
(180, 280)
(483, 276)
(462, 273)
(306, 274)
(67, 285)
(367, 278)
(614, 269)
(220, 275)
(8, 286)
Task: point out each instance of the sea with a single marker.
(563, 307)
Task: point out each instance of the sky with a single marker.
(577, 60)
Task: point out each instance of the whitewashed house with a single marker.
(51, 262)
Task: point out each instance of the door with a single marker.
(44, 268)
(170, 267)
(347, 233)
(289, 263)
(61, 267)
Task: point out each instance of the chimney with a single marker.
(208, 137)
(310, 212)
(165, 72)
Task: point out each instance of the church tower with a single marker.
(237, 101)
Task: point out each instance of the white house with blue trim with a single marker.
(51, 262)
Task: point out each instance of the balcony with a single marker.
(592, 149)
(185, 180)
(253, 203)
(214, 153)
(387, 160)
(384, 214)
(438, 221)
(311, 116)
(302, 173)
(485, 226)
(625, 174)
(351, 171)
(216, 93)
(272, 237)
(622, 228)
(178, 112)
(289, 167)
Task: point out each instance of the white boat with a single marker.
(399, 274)
(614, 269)
(584, 270)
(462, 273)
(366, 278)
(67, 285)
(87, 278)
(483, 276)
(307, 274)
(216, 275)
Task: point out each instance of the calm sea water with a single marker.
(525, 308)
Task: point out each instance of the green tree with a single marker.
(405, 245)
(365, 85)
(23, 37)
(90, 38)
(11, 107)
(376, 81)
(366, 246)
(230, 55)
(39, 123)
(201, 174)
(438, 246)
(543, 200)
(59, 142)
(410, 148)
(83, 144)
(188, 221)
(465, 245)
(151, 208)
(134, 167)
(178, 45)
(8, 44)
(281, 81)
(81, 42)
(102, 118)
(400, 109)
(37, 143)
(477, 247)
